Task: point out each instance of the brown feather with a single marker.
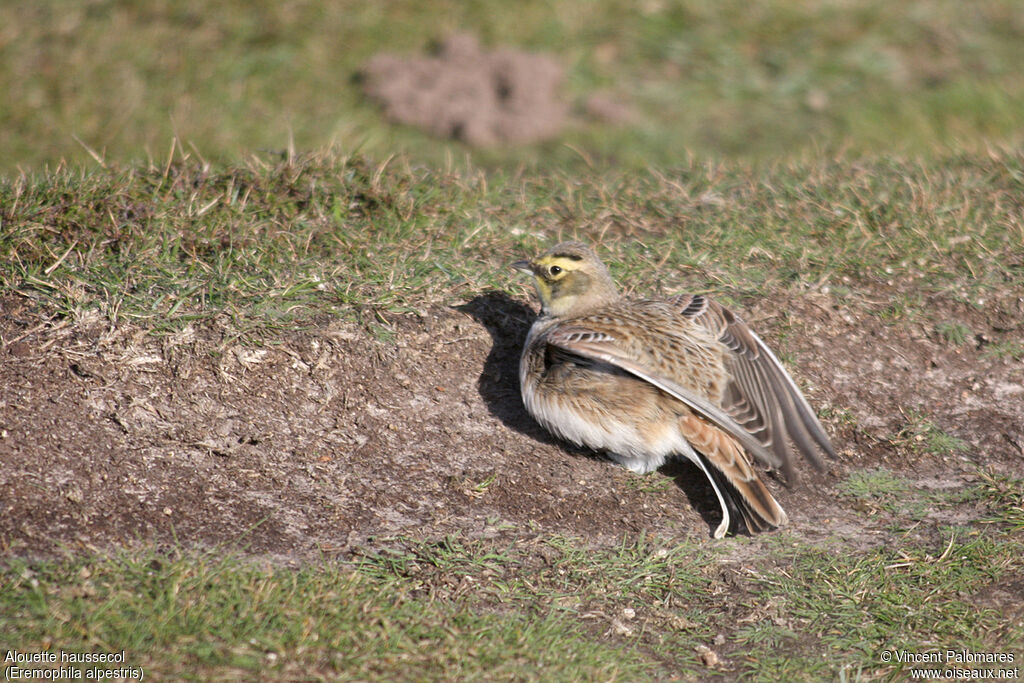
(728, 458)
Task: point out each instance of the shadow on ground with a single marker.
(508, 322)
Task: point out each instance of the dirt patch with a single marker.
(480, 97)
(318, 441)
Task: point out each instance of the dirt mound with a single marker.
(312, 445)
(482, 98)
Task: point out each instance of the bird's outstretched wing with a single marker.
(718, 445)
(581, 340)
(760, 405)
(759, 394)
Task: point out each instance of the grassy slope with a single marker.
(539, 610)
(724, 78)
(268, 244)
(273, 245)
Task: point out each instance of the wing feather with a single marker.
(760, 384)
(603, 347)
(723, 452)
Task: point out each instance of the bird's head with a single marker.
(570, 279)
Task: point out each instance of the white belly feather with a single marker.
(622, 441)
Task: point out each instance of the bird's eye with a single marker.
(555, 270)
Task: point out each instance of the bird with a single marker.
(649, 380)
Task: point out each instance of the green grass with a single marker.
(954, 333)
(850, 607)
(875, 491)
(1005, 349)
(729, 79)
(923, 436)
(208, 617)
(875, 485)
(277, 243)
(551, 608)
(1008, 496)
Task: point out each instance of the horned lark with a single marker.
(647, 380)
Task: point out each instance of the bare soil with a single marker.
(480, 97)
(318, 441)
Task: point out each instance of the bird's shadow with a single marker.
(508, 322)
(695, 486)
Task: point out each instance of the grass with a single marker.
(881, 490)
(849, 608)
(548, 608)
(954, 333)
(922, 435)
(883, 493)
(1008, 494)
(876, 485)
(1005, 349)
(279, 242)
(779, 79)
(225, 618)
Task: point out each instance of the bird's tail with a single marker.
(736, 482)
(750, 503)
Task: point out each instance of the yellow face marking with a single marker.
(560, 279)
(554, 268)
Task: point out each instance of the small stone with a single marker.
(707, 656)
(621, 629)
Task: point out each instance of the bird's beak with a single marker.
(523, 266)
